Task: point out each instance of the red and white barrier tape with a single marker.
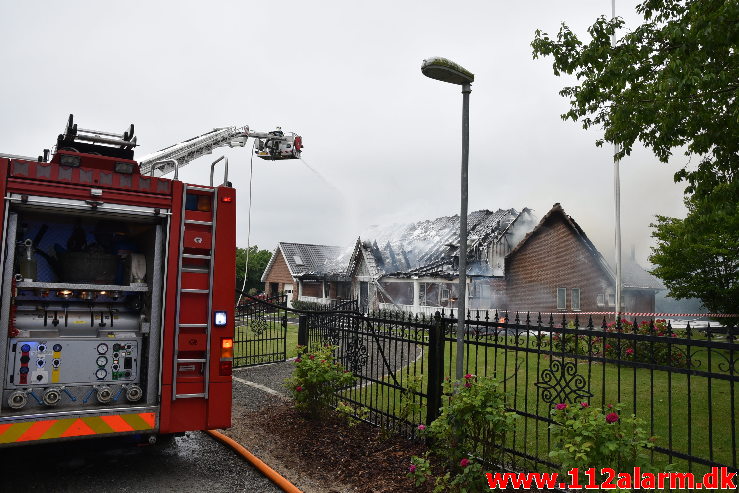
(638, 314)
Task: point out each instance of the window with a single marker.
(561, 298)
(611, 300)
(601, 300)
(575, 299)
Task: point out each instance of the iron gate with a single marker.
(260, 335)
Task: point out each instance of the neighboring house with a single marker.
(514, 263)
(306, 272)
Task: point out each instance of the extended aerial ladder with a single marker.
(274, 145)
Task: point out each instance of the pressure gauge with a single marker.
(102, 348)
(101, 373)
(102, 361)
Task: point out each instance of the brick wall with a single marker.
(280, 274)
(554, 257)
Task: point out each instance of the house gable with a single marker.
(277, 269)
(556, 254)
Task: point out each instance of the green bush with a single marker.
(588, 436)
(473, 422)
(316, 378)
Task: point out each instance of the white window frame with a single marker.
(573, 298)
(611, 299)
(600, 300)
(563, 304)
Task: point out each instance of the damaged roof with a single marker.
(429, 246)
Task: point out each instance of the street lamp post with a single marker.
(447, 71)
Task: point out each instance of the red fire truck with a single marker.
(116, 308)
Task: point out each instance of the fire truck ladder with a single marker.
(193, 263)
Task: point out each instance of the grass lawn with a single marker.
(264, 343)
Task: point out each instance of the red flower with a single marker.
(611, 418)
(468, 385)
(561, 406)
(629, 350)
(299, 388)
(323, 361)
(421, 427)
(464, 462)
(298, 360)
(584, 404)
(468, 376)
(412, 468)
(311, 357)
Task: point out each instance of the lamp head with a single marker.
(447, 71)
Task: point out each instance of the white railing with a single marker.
(314, 299)
(430, 311)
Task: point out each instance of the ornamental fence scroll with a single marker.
(680, 382)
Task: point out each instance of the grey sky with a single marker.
(345, 75)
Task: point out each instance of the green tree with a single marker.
(258, 260)
(698, 257)
(671, 84)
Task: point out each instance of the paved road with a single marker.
(192, 463)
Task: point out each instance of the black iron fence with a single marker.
(260, 334)
(681, 383)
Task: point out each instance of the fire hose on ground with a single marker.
(273, 475)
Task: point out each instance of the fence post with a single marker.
(435, 368)
(302, 330)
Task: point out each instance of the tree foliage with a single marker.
(671, 84)
(699, 256)
(258, 260)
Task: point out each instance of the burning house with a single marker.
(414, 267)
(514, 263)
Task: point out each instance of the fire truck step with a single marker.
(193, 325)
(196, 291)
(197, 270)
(192, 360)
(189, 396)
(203, 223)
(191, 255)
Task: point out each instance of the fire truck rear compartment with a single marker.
(84, 286)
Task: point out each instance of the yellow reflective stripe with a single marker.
(14, 432)
(98, 425)
(136, 422)
(59, 427)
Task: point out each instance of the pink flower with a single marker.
(630, 351)
(468, 376)
(560, 406)
(584, 404)
(299, 388)
(609, 406)
(412, 468)
(421, 427)
(464, 462)
(611, 418)
(468, 385)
